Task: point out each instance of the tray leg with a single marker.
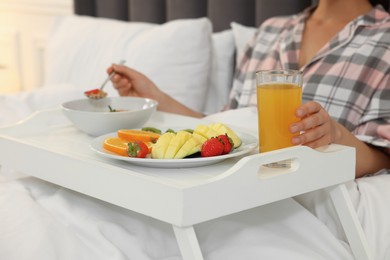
(350, 222)
(188, 243)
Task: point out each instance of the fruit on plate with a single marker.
(159, 148)
(212, 147)
(200, 137)
(183, 143)
(222, 129)
(227, 143)
(190, 147)
(215, 146)
(120, 146)
(132, 135)
(137, 149)
(175, 145)
(205, 131)
(116, 145)
(151, 129)
(216, 129)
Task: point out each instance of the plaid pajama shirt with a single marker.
(349, 76)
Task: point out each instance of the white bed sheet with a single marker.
(43, 221)
(39, 220)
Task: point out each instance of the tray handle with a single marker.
(250, 184)
(303, 159)
(38, 122)
(310, 169)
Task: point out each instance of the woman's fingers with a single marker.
(308, 108)
(315, 126)
(312, 115)
(129, 82)
(127, 72)
(119, 79)
(122, 80)
(314, 137)
(311, 121)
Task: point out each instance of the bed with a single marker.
(171, 41)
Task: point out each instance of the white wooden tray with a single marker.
(47, 146)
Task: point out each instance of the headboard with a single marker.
(220, 12)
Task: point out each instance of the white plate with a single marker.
(249, 143)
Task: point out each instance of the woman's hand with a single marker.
(129, 82)
(316, 128)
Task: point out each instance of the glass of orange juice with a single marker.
(279, 94)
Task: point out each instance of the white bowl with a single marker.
(94, 117)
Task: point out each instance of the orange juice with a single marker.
(277, 103)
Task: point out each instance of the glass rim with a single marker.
(279, 72)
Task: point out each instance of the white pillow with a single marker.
(242, 35)
(222, 70)
(175, 55)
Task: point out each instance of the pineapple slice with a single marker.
(159, 148)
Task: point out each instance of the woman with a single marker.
(346, 80)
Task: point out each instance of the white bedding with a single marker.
(42, 221)
(39, 220)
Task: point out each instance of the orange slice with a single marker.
(132, 135)
(116, 145)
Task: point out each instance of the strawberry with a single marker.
(227, 143)
(95, 93)
(212, 147)
(137, 149)
(92, 91)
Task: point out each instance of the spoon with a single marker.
(98, 93)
